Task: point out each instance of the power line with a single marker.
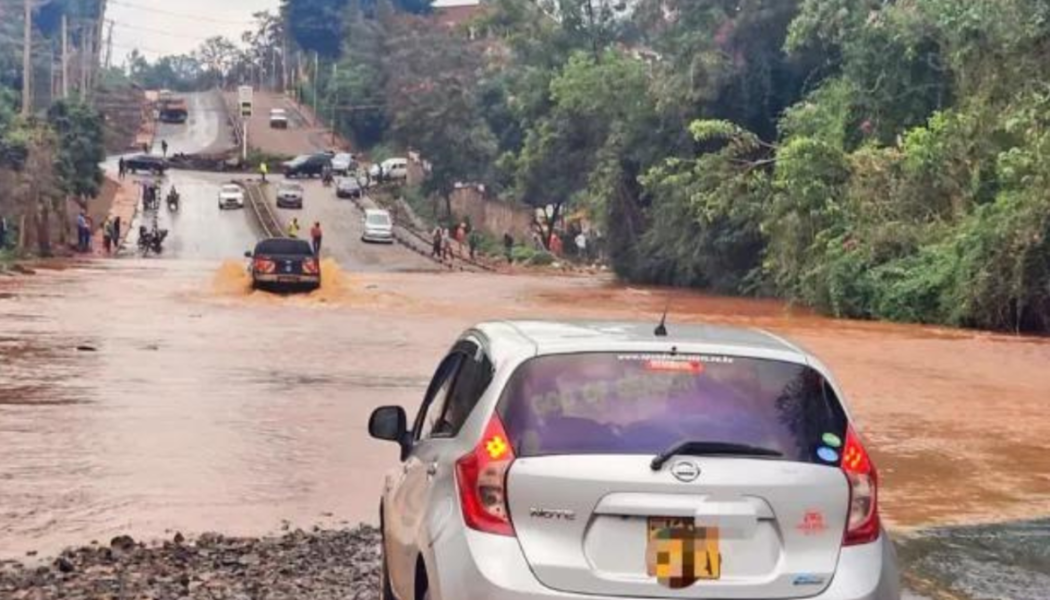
(170, 13)
(159, 31)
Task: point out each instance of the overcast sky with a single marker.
(158, 27)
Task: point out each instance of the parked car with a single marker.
(231, 195)
(379, 227)
(343, 163)
(278, 118)
(555, 461)
(307, 165)
(284, 264)
(390, 169)
(289, 195)
(348, 187)
(146, 162)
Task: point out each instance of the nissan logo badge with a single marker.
(685, 470)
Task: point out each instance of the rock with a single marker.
(122, 542)
(179, 538)
(64, 565)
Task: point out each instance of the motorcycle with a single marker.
(173, 201)
(151, 241)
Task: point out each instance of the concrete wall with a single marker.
(491, 216)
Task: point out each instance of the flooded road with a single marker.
(147, 396)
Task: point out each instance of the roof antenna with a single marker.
(661, 329)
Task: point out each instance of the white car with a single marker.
(379, 227)
(390, 169)
(278, 118)
(343, 163)
(231, 195)
(612, 461)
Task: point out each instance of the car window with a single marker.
(608, 403)
(437, 394)
(378, 219)
(473, 379)
(283, 246)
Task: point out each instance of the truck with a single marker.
(172, 110)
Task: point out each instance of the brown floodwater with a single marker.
(153, 396)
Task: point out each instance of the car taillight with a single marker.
(862, 526)
(310, 266)
(262, 265)
(482, 480)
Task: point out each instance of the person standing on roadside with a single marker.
(263, 170)
(122, 169)
(581, 245)
(3, 232)
(107, 235)
(116, 233)
(293, 228)
(145, 147)
(82, 232)
(472, 242)
(315, 238)
(508, 247)
(164, 147)
(435, 240)
(446, 245)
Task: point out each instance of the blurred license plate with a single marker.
(287, 278)
(678, 553)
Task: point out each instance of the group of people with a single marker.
(442, 238)
(316, 234)
(110, 233)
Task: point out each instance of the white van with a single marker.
(278, 118)
(392, 168)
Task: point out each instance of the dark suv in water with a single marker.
(307, 165)
(283, 264)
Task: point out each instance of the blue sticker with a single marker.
(827, 454)
(832, 440)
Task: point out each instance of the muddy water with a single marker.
(194, 404)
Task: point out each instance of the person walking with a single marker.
(508, 247)
(164, 148)
(315, 238)
(446, 245)
(88, 232)
(293, 228)
(263, 170)
(581, 245)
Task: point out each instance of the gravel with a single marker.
(317, 565)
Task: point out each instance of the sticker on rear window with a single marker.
(832, 440)
(827, 454)
(703, 358)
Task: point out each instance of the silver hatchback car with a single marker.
(583, 461)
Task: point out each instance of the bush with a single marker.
(541, 258)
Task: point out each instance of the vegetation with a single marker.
(871, 159)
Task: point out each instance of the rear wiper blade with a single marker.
(697, 448)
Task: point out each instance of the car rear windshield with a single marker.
(285, 247)
(378, 219)
(606, 403)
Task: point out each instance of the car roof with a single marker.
(376, 211)
(283, 246)
(231, 186)
(536, 338)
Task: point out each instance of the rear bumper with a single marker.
(231, 204)
(275, 281)
(384, 238)
(289, 202)
(466, 565)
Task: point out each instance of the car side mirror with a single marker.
(248, 254)
(390, 423)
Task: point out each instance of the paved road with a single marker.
(300, 138)
(343, 225)
(199, 230)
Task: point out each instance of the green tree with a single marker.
(80, 147)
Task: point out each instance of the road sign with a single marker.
(244, 94)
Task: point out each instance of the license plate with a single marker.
(287, 279)
(678, 553)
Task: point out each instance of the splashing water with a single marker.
(232, 280)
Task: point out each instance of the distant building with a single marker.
(456, 13)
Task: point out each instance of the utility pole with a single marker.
(317, 75)
(27, 60)
(65, 56)
(109, 45)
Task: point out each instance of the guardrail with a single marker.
(264, 215)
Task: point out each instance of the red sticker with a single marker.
(812, 523)
(675, 366)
